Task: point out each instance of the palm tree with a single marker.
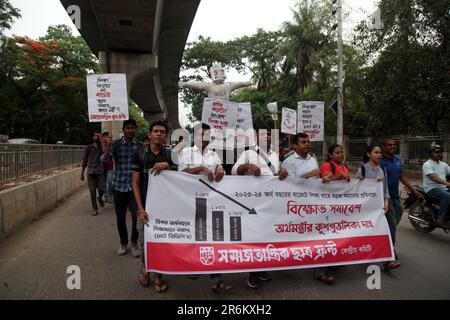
(303, 38)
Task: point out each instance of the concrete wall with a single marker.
(21, 204)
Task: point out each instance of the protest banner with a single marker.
(107, 97)
(247, 223)
(231, 123)
(311, 119)
(288, 121)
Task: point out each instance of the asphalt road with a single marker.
(34, 261)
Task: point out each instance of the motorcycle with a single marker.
(422, 213)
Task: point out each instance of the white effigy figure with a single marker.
(218, 89)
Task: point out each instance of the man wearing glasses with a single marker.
(435, 184)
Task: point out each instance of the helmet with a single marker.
(434, 147)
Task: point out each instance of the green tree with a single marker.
(45, 87)
(142, 124)
(7, 14)
(303, 38)
(406, 86)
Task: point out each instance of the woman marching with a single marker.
(372, 169)
(332, 170)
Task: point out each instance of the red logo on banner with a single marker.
(207, 255)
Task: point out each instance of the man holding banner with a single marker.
(200, 160)
(258, 161)
(151, 159)
(302, 164)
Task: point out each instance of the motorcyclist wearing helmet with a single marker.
(434, 173)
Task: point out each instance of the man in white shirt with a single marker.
(435, 183)
(302, 164)
(261, 160)
(258, 161)
(200, 160)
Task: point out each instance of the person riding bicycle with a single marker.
(435, 184)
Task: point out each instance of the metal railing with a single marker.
(412, 148)
(21, 160)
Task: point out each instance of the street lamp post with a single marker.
(340, 86)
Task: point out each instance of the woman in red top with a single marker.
(333, 169)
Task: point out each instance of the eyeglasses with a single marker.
(391, 145)
(439, 151)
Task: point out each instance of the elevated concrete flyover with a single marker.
(144, 39)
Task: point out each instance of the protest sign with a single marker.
(231, 123)
(288, 121)
(244, 126)
(311, 119)
(247, 223)
(107, 97)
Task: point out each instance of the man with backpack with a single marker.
(122, 151)
(149, 159)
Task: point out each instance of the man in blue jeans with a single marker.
(122, 152)
(435, 184)
(109, 172)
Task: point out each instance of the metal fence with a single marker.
(22, 160)
(412, 149)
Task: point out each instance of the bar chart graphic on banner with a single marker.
(234, 221)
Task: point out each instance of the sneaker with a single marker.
(264, 276)
(252, 282)
(94, 212)
(100, 202)
(442, 223)
(122, 250)
(135, 250)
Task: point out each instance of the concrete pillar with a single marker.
(404, 151)
(325, 144)
(346, 146)
(446, 145)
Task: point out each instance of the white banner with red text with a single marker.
(246, 223)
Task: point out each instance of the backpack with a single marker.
(333, 167)
(363, 170)
(269, 164)
(143, 153)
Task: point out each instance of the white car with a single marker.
(22, 140)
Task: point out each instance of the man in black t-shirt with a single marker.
(149, 160)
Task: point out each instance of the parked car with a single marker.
(22, 140)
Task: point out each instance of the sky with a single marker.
(221, 20)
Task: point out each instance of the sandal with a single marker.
(220, 286)
(144, 278)
(160, 286)
(324, 278)
(391, 265)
